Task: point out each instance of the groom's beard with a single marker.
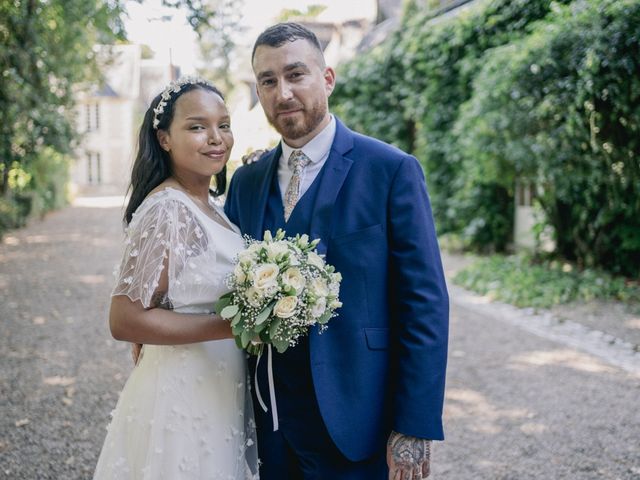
(294, 127)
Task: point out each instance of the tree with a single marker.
(311, 13)
(46, 54)
(217, 42)
(46, 51)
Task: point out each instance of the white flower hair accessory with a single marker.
(174, 87)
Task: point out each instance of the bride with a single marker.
(185, 411)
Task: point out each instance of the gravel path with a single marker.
(518, 406)
(61, 372)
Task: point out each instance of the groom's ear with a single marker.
(329, 80)
(255, 85)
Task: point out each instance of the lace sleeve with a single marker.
(165, 234)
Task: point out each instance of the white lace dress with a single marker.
(185, 411)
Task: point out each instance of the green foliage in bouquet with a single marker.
(280, 288)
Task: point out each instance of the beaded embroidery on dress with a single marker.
(185, 412)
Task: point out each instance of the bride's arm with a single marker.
(131, 322)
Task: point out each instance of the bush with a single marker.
(36, 188)
(408, 92)
(10, 216)
(537, 91)
(526, 282)
(561, 108)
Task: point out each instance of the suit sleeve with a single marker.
(420, 307)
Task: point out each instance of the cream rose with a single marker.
(285, 307)
(319, 287)
(275, 249)
(293, 278)
(265, 277)
(254, 297)
(315, 260)
(319, 307)
(246, 257)
(335, 304)
(239, 274)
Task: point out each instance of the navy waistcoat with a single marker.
(292, 372)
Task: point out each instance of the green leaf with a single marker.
(245, 337)
(236, 319)
(229, 311)
(263, 315)
(273, 328)
(281, 345)
(238, 329)
(260, 326)
(224, 301)
(325, 318)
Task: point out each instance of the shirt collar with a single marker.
(317, 148)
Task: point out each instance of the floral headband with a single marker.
(174, 87)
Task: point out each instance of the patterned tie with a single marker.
(297, 161)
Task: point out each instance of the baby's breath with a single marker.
(260, 304)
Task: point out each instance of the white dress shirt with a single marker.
(317, 149)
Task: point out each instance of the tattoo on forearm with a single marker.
(160, 300)
(408, 452)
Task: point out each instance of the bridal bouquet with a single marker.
(280, 288)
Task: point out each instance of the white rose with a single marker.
(275, 249)
(285, 307)
(265, 277)
(319, 307)
(254, 297)
(334, 288)
(335, 304)
(245, 257)
(293, 278)
(319, 287)
(315, 260)
(293, 260)
(239, 274)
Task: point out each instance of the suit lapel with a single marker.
(263, 184)
(333, 177)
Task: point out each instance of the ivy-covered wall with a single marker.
(535, 90)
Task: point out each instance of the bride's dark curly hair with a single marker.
(152, 165)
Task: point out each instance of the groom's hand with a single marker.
(409, 458)
(252, 157)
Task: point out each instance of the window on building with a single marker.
(94, 168)
(525, 194)
(92, 115)
(98, 169)
(97, 116)
(89, 168)
(87, 109)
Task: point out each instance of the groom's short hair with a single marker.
(277, 35)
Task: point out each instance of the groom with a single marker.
(364, 399)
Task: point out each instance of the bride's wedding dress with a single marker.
(185, 411)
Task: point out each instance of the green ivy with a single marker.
(561, 108)
(531, 90)
(525, 282)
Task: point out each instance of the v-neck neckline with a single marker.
(228, 227)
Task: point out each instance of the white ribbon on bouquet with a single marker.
(272, 388)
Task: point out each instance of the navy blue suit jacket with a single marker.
(381, 363)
